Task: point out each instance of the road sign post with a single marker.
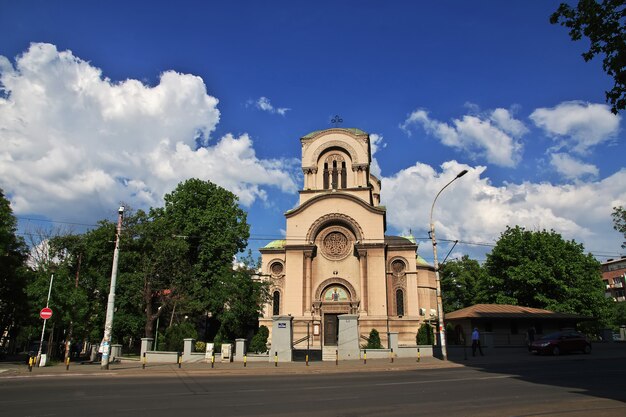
(45, 313)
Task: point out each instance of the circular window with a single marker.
(276, 268)
(335, 244)
(398, 267)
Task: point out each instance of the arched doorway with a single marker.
(335, 300)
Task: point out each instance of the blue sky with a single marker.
(119, 101)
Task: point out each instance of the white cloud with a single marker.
(472, 209)
(576, 125)
(571, 168)
(263, 103)
(376, 143)
(493, 136)
(76, 142)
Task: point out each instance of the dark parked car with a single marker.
(561, 342)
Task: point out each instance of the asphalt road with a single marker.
(573, 386)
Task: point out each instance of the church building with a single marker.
(336, 259)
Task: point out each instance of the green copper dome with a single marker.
(275, 244)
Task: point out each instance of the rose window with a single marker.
(336, 245)
(397, 267)
(277, 268)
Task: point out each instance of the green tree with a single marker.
(373, 341)
(604, 24)
(619, 315)
(619, 221)
(425, 335)
(13, 273)
(215, 228)
(175, 335)
(259, 341)
(459, 283)
(244, 300)
(539, 269)
(161, 266)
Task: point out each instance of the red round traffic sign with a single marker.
(45, 313)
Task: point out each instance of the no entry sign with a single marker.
(45, 313)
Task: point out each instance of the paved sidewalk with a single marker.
(457, 359)
(135, 368)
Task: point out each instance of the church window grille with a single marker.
(335, 174)
(398, 267)
(399, 302)
(276, 303)
(277, 268)
(343, 175)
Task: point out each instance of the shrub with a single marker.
(175, 335)
(258, 344)
(373, 341)
(425, 335)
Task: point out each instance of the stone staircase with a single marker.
(329, 353)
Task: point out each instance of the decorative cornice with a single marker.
(302, 207)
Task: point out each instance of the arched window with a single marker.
(335, 175)
(399, 302)
(343, 175)
(276, 303)
(325, 176)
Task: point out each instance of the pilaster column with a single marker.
(363, 267)
(308, 268)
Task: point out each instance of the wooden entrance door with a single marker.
(331, 329)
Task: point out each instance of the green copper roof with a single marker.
(275, 244)
(410, 238)
(421, 261)
(352, 130)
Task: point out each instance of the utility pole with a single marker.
(108, 325)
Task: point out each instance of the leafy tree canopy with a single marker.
(619, 221)
(604, 24)
(459, 283)
(215, 227)
(13, 275)
(539, 269)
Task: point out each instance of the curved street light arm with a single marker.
(441, 329)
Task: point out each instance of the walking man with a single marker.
(476, 342)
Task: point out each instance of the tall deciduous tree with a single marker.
(619, 221)
(459, 283)
(604, 24)
(215, 227)
(12, 271)
(539, 269)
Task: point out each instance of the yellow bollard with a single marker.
(180, 360)
(391, 355)
(336, 357)
(365, 357)
(143, 361)
(418, 354)
(213, 360)
(307, 360)
(67, 363)
(30, 363)
(245, 360)
(275, 359)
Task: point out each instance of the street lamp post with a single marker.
(441, 330)
(108, 325)
(156, 334)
